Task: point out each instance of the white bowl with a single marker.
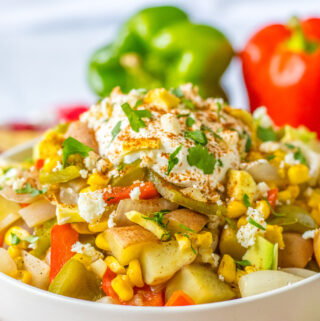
(21, 302)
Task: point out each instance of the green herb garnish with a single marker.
(116, 130)
(230, 223)
(248, 143)
(200, 157)
(197, 136)
(246, 200)
(135, 117)
(254, 223)
(158, 218)
(188, 103)
(298, 156)
(220, 163)
(138, 103)
(183, 115)
(72, 146)
(290, 146)
(266, 134)
(192, 248)
(28, 189)
(204, 127)
(270, 157)
(190, 121)
(31, 239)
(173, 159)
(15, 240)
(243, 263)
(177, 92)
(187, 228)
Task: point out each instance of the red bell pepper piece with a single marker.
(72, 112)
(1, 239)
(281, 68)
(272, 197)
(179, 298)
(118, 193)
(39, 164)
(62, 239)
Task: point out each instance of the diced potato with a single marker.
(239, 184)
(7, 264)
(126, 243)
(9, 213)
(160, 262)
(183, 217)
(132, 145)
(201, 284)
(297, 251)
(68, 213)
(38, 269)
(99, 267)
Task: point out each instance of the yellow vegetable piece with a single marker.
(314, 199)
(135, 274)
(24, 276)
(162, 98)
(227, 269)
(242, 221)
(100, 226)
(97, 179)
(250, 269)
(122, 286)
(19, 232)
(14, 251)
(298, 174)
(183, 241)
(315, 213)
(81, 228)
(101, 242)
(68, 214)
(274, 234)
(235, 209)
(264, 208)
(114, 265)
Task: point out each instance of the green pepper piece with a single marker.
(43, 232)
(67, 174)
(130, 173)
(294, 219)
(75, 281)
(171, 193)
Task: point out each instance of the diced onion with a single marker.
(10, 194)
(7, 264)
(263, 171)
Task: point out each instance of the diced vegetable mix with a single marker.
(210, 218)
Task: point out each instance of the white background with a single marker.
(45, 44)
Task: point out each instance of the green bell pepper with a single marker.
(161, 47)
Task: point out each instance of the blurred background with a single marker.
(45, 46)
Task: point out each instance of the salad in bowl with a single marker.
(163, 198)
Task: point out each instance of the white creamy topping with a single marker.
(309, 234)
(135, 193)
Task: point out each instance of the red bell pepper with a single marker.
(72, 112)
(118, 193)
(272, 197)
(179, 298)
(281, 69)
(1, 239)
(39, 164)
(62, 239)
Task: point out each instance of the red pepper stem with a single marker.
(298, 41)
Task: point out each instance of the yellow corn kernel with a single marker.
(92, 188)
(50, 144)
(284, 196)
(204, 239)
(249, 269)
(279, 157)
(298, 174)
(19, 232)
(135, 274)
(162, 98)
(235, 209)
(81, 228)
(51, 163)
(315, 213)
(242, 221)
(114, 265)
(102, 243)
(264, 208)
(24, 276)
(274, 235)
(314, 199)
(239, 274)
(14, 251)
(100, 226)
(19, 261)
(183, 241)
(97, 179)
(227, 269)
(122, 286)
(294, 190)
(282, 172)
(254, 156)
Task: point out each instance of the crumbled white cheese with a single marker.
(83, 173)
(215, 260)
(135, 193)
(111, 222)
(86, 249)
(269, 147)
(219, 203)
(170, 124)
(309, 234)
(102, 165)
(60, 152)
(91, 206)
(262, 190)
(18, 183)
(289, 159)
(221, 277)
(262, 117)
(106, 300)
(91, 161)
(58, 167)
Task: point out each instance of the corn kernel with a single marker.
(135, 274)
(114, 265)
(19, 261)
(315, 214)
(264, 208)
(14, 251)
(162, 98)
(24, 276)
(102, 243)
(92, 188)
(204, 239)
(51, 163)
(81, 228)
(100, 226)
(294, 190)
(227, 268)
(242, 221)
(239, 274)
(97, 179)
(250, 269)
(314, 199)
(183, 241)
(19, 232)
(274, 235)
(235, 209)
(254, 156)
(298, 174)
(122, 286)
(284, 196)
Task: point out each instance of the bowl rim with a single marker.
(134, 309)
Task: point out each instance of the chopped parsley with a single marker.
(183, 115)
(243, 263)
(230, 223)
(219, 108)
(220, 163)
(248, 143)
(254, 223)
(270, 157)
(290, 146)
(31, 239)
(204, 127)
(273, 212)
(298, 156)
(173, 159)
(177, 92)
(72, 146)
(187, 228)
(158, 218)
(197, 136)
(188, 103)
(246, 200)
(200, 157)
(266, 134)
(116, 130)
(28, 189)
(135, 116)
(138, 103)
(190, 121)
(15, 240)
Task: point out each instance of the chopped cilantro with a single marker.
(230, 223)
(72, 146)
(15, 240)
(220, 163)
(187, 228)
(197, 136)
(177, 92)
(298, 155)
(116, 130)
(243, 263)
(31, 239)
(200, 157)
(254, 223)
(188, 103)
(219, 108)
(158, 218)
(165, 236)
(142, 90)
(5, 171)
(192, 248)
(271, 208)
(266, 134)
(183, 115)
(28, 189)
(190, 121)
(204, 127)
(138, 103)
(173, 159)
(135, 116)
(246, 200)
(270, 157)
(248, 144)
(290, 146)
